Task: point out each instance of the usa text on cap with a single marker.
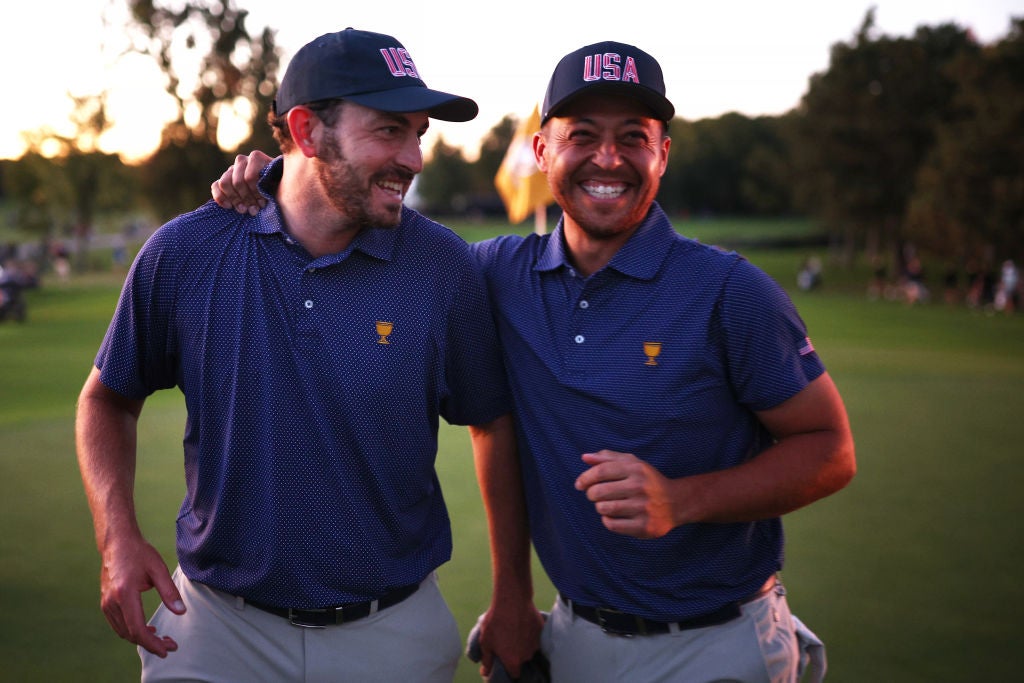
(371, 69)
(610, 67)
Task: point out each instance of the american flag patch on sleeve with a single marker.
(807, 347)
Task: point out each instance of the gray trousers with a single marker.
(223, 640)
(761, 646)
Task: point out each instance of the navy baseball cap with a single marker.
(371, 69)
(612, 68)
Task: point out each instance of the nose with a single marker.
(410, 156)
(607, 154)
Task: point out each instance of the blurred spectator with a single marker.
(15, 277)
(809, 277)
(975, 283)
(879, 278)
(1007, 295)
(61, 259)
(914, 288)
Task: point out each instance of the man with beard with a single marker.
(317, 343)
(670, 409)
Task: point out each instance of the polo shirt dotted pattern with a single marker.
(664, 353)
(314, 389)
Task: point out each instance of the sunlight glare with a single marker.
(233, 123)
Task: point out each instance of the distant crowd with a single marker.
(994, 288)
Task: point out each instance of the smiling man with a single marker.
(317, 343)
(669, 406)
(670, 409)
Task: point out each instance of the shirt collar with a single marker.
(640, 257)
(377, 242)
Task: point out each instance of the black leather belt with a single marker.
(618, 623)
(338, 614)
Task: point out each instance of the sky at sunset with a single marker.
(720, 56)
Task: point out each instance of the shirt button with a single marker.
(584, 304)
(580, 339)
(309, 303)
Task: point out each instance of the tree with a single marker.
(493, 148)
(766, 184)
(731, 165)
(35, 187)
(865, 126)
(214, 68)
(969, 201)
(450, 184)
(62, 182)
(443, 186)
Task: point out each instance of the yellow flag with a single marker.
(523, 188)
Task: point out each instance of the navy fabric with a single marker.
(310, 443)
(731, 342)
(607, 68)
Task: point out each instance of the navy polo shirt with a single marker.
(665, 353)
(313, 388)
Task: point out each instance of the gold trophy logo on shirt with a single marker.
(384, 329)
(651, 350)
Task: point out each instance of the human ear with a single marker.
(539, 145)
(303, 124)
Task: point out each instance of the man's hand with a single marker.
(512, 634)
(129, 571)
(237, 189)
(632, 497)
(812, 457)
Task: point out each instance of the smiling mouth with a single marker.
(392, 187)
(604, 190)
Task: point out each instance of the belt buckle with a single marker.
(295, 618)
(608, 628)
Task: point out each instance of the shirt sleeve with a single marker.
(478, 387)
(138, 355)
(768, 353)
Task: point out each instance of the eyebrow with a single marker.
(402, 119)
(397, 117)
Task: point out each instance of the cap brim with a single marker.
(437, 104)
(659, 105)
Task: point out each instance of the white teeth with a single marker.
(391, 187)
(604, 191)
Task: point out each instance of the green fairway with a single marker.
(910, 574)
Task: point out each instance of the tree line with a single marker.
(902, 140)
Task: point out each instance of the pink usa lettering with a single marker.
(399, 61)
(606, 67)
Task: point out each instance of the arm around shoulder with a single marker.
(238, 186)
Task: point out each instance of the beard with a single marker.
(350, 190)
(603, 223)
